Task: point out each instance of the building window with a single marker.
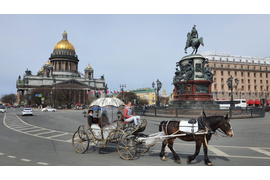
(248, 74)
(229, 73)
(254, 67)
(243, 88)
(235, 66)
(214, 72)
(249, 88)
(255, 88)
(222, 80)
(242, 81)
(215, 86)
(254, 74)
(261, 88)
(254, 81)
(222, 87)
(235, 73)
(221, 65)
(221, 73)
(214, 65)
(228, 66)
(261, 81)
(260, 75)
(248, 67)
(266, 81)
(215, 79)
(266, 75)
(241, 67)
(248, 81)
(242, 74)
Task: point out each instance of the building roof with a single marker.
(226, 57)
(142, 90)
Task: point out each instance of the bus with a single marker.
(225, 104)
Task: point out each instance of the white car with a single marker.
(2, 109)
(48, 109)
(27, 111)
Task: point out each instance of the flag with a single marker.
(107, 92)
(117, 91)
(114, 92)
(103, 91)
(111, 92)
(99, 92)
(92, 92)
(95, 91)
(123, 92)
(87, 92)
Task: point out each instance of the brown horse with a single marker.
(212, 123)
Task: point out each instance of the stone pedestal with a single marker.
(193, 84)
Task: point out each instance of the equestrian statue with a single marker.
(193, 41)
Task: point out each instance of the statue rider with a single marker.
(190, 36)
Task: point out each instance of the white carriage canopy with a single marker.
(107, 110)
(102, 102)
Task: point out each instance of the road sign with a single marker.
(42, 102)
(42, 98)
(36, 95)
(40, 95)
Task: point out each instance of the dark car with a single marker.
(267, 109)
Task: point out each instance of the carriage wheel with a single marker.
(80, 141)
(126, 148)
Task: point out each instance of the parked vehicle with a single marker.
(225, 104)
(48, 109)
(2, 109)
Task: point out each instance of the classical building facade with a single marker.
(62, 68)
(146, 93)
(252, 72)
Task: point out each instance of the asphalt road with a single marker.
(44, 139)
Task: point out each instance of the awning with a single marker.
(250, 102)
(223, 99)
(257, 101)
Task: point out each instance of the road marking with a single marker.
(42, 163)
(26, 128)
(261, 151)
(217, 151)
(26, 160)
(57, 135)
(44, 133)
(2, 154)
(8, 119)
(12, 157)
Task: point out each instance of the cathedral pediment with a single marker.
(73, 81)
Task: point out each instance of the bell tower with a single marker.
(89, 72)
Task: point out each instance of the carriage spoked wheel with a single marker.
(126, 148)
(80, 141)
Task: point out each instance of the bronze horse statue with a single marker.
(211, 123)
(194, 43)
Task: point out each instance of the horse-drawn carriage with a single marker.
(110, 128)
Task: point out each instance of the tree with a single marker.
(142, 102)
(9, 98)
(164, 100)
(128, 97)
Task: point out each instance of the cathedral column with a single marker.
(18, 95)
(84, 91)
(80, 96)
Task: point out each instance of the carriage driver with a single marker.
(128, 114)
(90, 118)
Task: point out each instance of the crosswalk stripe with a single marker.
(217, 151)
(26, 160)
(260, 151)
(42, 163)
(12, 157)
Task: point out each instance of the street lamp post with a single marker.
(122, 86)
(54, 80)
(231, 86)
(159, 85)
(106, 87)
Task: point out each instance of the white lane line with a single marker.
(44, 133)
(217, 151)
(12, 157)
(260, 151)
(57, 135)
(27, 128)
(2, 154)
(42, 163)
(26, 160)
(41, 129)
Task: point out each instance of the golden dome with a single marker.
(48, 63)
(88, 67)
(40, 69)
(64, 43)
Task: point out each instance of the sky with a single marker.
(134, 49)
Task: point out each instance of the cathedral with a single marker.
(62, 69)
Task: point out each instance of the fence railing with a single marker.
(233, 113)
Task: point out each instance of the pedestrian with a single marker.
(128, 115)
(144, 109)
